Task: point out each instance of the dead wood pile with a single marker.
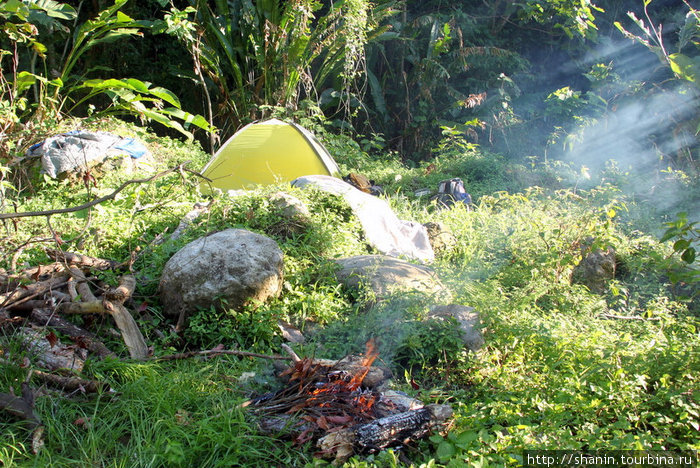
(42, 296)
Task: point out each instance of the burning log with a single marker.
(397, 429)
(373, 376)
(400, 428)
(336, 408)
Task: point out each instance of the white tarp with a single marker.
(383, 229)
(74, 150)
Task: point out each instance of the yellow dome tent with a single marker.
(265, 153)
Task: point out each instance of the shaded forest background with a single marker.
(528, 79)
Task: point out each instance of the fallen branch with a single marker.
(34, 273)
(82, 308)
(629, 317)
(288, 349)
(70, 384)
(96, 201)
(130, 331)
(19, 408)
(46, 318)
(25, 293)
(23, 408)
(112, 304)
(5, 319)
(214, 352)
(27, 306)
(67, 383)
(127, 285)
(75, 259)
(49, 352)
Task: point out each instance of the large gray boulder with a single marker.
(385, 275)
(468, 319)
(234, 265)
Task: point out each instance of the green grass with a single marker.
(554, 373)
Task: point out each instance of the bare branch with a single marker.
(214, 352)
(97, 201)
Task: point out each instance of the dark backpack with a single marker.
(451, 191)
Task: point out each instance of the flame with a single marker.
(341, 382)
(371, 353)
(333, 398)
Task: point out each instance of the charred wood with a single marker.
(400, 428)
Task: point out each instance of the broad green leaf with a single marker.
(109, 83)
(136, 85)
(54, 9)
(670, 233)
(467, 437)
(17, 7)
(24, 81)
(689, 255)
(681, 244)
(165, 94)
(189, 119)
(123, 18)
(684, 67)
(114, 36)
(164, 120)
(446, 450)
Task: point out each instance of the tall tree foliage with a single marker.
(271, 53)
(44, 45)
(432, 70)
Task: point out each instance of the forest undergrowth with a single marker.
(562, 368)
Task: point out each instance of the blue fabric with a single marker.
(133, 147)
(130, 146)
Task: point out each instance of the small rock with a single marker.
(441, 238)
(596, 269)
(468, 321)
(294, 214)
(290, 333)
(291, 207)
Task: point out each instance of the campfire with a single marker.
(337, 405)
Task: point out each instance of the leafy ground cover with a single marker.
(558, 370)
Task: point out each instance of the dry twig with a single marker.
(214, 352)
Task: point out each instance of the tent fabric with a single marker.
(266, 153)
(383, 229)
(73, 150)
